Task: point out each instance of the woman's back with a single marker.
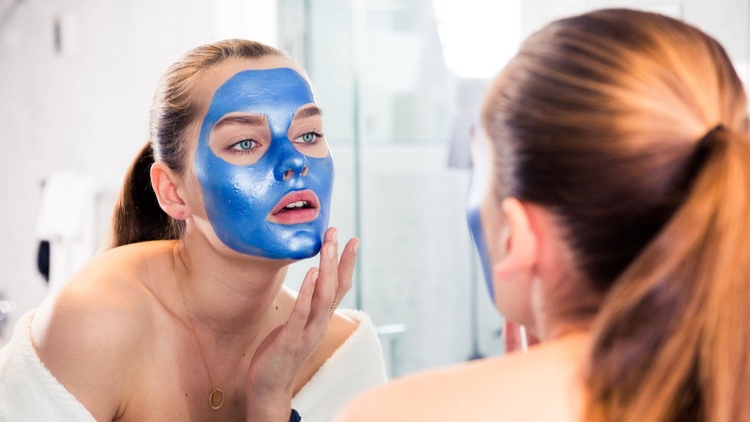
(610, 197)
(544, 384)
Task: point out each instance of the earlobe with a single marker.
(164, 182)
(518, 242)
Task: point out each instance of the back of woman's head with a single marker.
(632, 129)
(138, 216)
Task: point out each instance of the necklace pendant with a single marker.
(216, 398)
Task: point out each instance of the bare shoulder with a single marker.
(423, 396)
(89, 334)
(505, 388)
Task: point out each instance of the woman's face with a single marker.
(262, 163)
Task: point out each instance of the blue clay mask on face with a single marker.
(477, 192)
(240, 198)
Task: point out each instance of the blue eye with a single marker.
(245, 145)
(308, 138)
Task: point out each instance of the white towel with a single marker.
(356, 366)
(29, 392)
(67, 219)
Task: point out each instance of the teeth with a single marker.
(298, 204)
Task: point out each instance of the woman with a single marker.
(186, 317)
(612, 209)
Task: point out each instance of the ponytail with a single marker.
(672, 339)
(137, 215)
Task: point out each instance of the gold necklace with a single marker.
(216, 396)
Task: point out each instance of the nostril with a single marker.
(291, 166)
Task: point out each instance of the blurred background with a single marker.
(400, 83)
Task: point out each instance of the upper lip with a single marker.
(306, 196)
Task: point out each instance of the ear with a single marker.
(165, 184)
(518, 243)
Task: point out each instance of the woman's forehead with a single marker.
(220, 73)
(277, 93)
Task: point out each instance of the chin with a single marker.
(296, 247)
(300, 255)
(303, 243)
(303, 252)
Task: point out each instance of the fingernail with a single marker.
(315, 276)
(335, 236)
(355, 247)
(329, 251)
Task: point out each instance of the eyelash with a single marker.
(317, 134)
(253, 146)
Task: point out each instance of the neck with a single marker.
(229, 295)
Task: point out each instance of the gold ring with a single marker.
(333, 306)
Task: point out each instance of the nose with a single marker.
(294, 164)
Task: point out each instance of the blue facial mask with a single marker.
(478, 190)
(239, 198)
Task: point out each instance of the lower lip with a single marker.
(304, 215)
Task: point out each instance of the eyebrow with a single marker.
(244, 119)
(308, 112)
(260, 119)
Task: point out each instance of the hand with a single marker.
(282, 355)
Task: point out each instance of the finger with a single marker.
(328, 237)
(329, 266)
(333, 237)
(346, 268)
(303, 304)
(325, 289)
(335, 265)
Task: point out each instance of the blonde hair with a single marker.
(632, 128)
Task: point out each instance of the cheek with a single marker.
(317, 150)
(190, 192)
